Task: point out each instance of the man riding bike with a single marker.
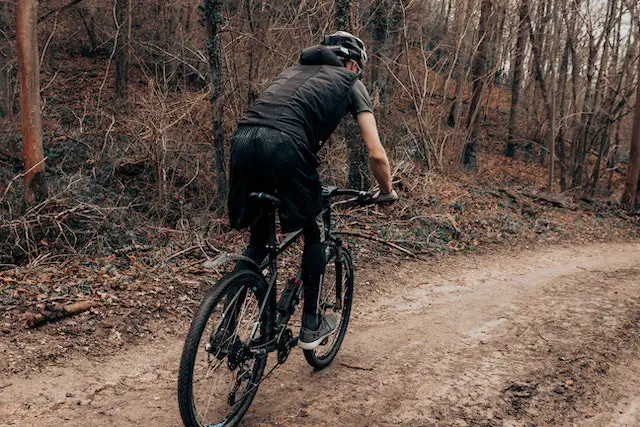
(274, 150)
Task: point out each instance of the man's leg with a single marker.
(312, 270)
(257, 249)
(315, 327)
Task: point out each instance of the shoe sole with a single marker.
(313, 344)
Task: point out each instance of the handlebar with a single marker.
(361, 198)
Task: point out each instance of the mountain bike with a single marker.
(240, 321)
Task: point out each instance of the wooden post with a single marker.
(30, 119)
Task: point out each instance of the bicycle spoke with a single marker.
(337, 305)
(225, 371)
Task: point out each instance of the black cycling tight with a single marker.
(312, 263)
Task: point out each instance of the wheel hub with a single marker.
(237, 355)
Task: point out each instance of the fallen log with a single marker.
(539, 197)
(56, 312)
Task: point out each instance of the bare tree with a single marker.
(257, 26)
(379, 35)
(35, 189)
(479, 78)
(88, 17)
(630, 196)
(518, 61)
(540, 79)
(212, 12)
(459, 59)
(342, 15)
(6, 89)
(563, 75)
(123, 52)
(358, 167)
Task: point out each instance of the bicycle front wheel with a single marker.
(221, 365)
(336, 297)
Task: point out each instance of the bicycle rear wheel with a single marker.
(221, 368)
(336, 297)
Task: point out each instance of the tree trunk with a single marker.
(358, 166)
(89, 23)
(553, 128)
(257, 26)
(521, 41)
(563, 127)
(342, 15)
(6, 89)
(537, 62)
(123, 30)
(35, 189)
(212, 10)
(459, 61)
(378, 34)
(478, 70)
(611, 90)
(630, 196)
(592, 97)
(562, 88)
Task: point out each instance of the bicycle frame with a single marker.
(269, 268)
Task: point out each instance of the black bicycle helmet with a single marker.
(346, 46)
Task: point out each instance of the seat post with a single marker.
(272, 244)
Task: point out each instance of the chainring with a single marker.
(284, 347)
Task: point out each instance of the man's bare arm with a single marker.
(377, 155)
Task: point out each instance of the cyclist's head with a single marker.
(347, 47)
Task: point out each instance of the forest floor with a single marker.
(508, 337)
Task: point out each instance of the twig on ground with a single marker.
(360, 368)
(182, 252)
(543, 338)
(379, 240)
(132, 248)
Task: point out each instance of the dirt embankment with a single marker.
(539, 337)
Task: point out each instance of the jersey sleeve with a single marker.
(359, 99)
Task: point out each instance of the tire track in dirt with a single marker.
(541, 337)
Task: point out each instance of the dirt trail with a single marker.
(543, 337)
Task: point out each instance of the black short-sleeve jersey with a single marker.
(359, 99)
(308, 100)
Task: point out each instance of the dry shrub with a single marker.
(78, 217)
(169, 140)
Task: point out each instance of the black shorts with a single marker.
(267, 160)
